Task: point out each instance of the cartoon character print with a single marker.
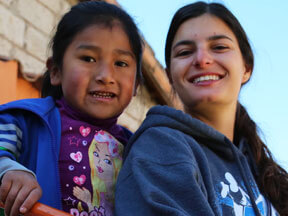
(237, 199)
(105, 162)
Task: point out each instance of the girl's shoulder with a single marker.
(38, 105)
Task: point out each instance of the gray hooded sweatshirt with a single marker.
(176, 165)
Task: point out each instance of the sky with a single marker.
(265, 22)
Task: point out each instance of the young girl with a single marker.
(91, 78)
(209, 159)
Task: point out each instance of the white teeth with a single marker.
(102, 94)
(205, 78)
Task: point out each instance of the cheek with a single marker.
(176, 76)
(128, 82)
(75, 81)
(76, 77)
(179, 68)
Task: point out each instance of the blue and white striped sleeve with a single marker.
(10, 139)
(11, 136)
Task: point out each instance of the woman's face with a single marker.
(207, 67)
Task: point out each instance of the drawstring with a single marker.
(250, 193)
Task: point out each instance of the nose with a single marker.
(202, 58)
(105, 74)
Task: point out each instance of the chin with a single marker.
(103, 115)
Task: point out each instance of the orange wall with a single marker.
(12, 86)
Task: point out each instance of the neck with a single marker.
(104, 124)
(221, 118)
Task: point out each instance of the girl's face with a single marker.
(206, 64)
(103, 162)
(99, 71)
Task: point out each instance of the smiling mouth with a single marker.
(205, 78)
(102, 94)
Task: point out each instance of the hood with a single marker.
(33, 105)
(164, 116)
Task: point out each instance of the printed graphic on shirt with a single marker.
(236, 200)
(94, 170)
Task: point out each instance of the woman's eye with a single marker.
(184, 53)
(121, 64)
(88, 59)
(95, 154)
(107, 161)
(220, 47)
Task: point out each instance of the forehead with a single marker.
(203, 26)
(113, 34)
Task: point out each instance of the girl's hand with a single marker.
(19, 191)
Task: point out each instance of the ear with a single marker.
(135, 88)
(55, 74)
(246, 75)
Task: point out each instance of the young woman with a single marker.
(209, 159)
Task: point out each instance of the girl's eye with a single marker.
(88, 59)
(95, 154)
(107, 161)
(121, 64)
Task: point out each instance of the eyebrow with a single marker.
(217, 37)
(98, 49)
(124, 52)
(191, 42)
(88, 47)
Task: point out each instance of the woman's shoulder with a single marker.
(170, 130)
(161, 121)
(159, 139)
(167, 120)
(164, 110)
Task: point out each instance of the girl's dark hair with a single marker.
(272, 179)
(80, 17)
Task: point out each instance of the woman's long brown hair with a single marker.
(272, 179)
